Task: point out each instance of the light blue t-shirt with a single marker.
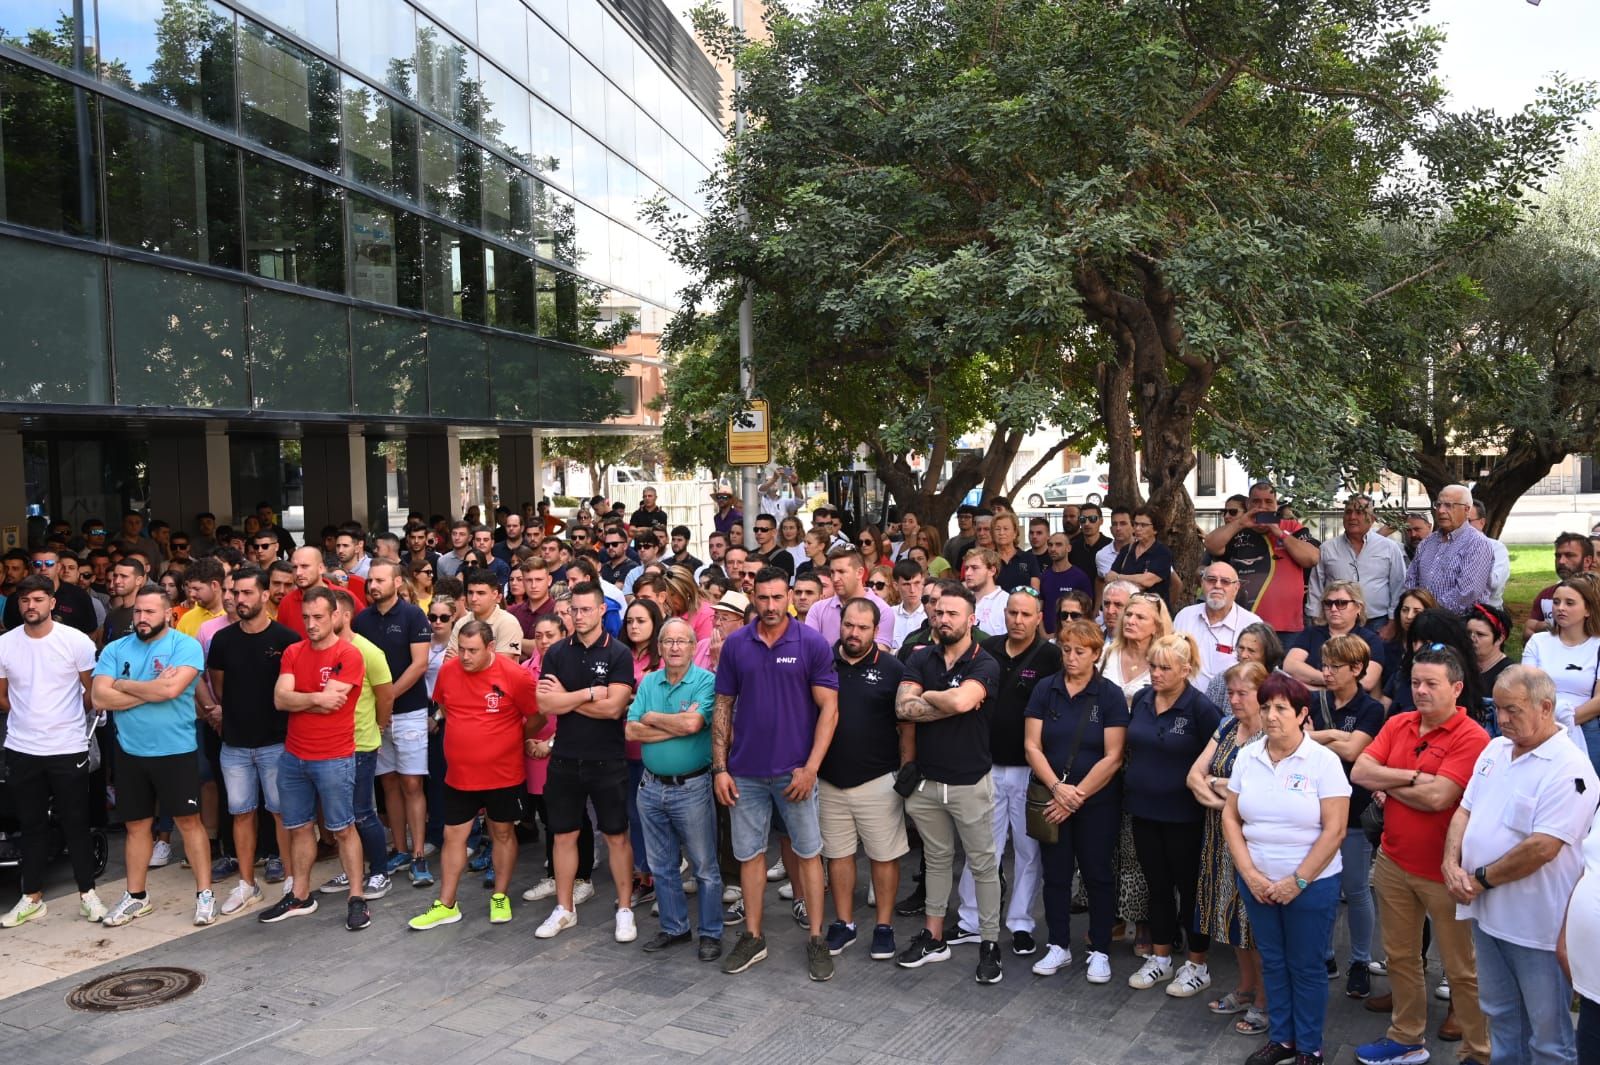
(154, 730)
(681, 754)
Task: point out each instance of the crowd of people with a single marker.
(1193, 761)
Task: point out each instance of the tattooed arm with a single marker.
(911, 705)
(722, 783)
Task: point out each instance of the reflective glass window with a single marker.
(381, 140)
(384, 268)
(314, 20)
(511, 302)
(509, 197)
(623, 186)
(471, 280)
(552, 142)
(53, 318)
(294, 226)
(618, 56)
(45, 180)
(288, 98)
(460, 16)
(589, 178)
(391, 363)
(379, 38)
(557, 227)
(447, 74)
(504, 121)
(648, 145)
(440, 271)
(179, 54)
(620, 121)
(45, 29)
(588, 96)
(552, 11)
(449, 173)
(458, 373)
(550, 66)
(179, 339)
(170, 191)
(584, 28)
(514, 378)
(558, 303)
(502, 34)
(576, 386)
(299, 353)
(593, 240)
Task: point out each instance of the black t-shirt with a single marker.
(578, 667)
(249, 664)
(1361, 714)
(74, 609)
(1107, 708)
(119, 622)
(1018, 678)
(1082, 554)
(866, 743)
(1161, 748)
(1486, 682)
(1156, 561)
(955, 749)
(1018, 572)
(395, 633)
(648, 519)
(780, 557)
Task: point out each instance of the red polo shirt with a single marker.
(1413, 838)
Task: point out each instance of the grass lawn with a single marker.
(1532, 569)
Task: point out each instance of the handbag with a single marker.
(906, 780)
(1040, 795)
(94, 744)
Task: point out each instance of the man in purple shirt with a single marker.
(1456, 562)
(777, 705)
(848, 570)
(1060, 574)
(727, 515)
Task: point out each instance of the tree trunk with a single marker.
(1523, 467)
(1115, 382)
(933, 503)
(1007, 442)
(1055, 449)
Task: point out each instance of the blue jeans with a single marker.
(635, 830)
(752, 818)
(1355, 882)
(248, 771)
(1296, 982)
(1588, 1031)
(302, 783)
(682, 818)
(1591, 739)
(1524, 996)
(374, 841)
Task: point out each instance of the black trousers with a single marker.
(1169, 855)
(42, 785)
(1088, 841)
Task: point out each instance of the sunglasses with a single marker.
(97, 532)
(927, 599)
(1232, 512)
(878, 586)
(766, 528)
(1069, 615)
(44, 563)
(1337, 604)
(1088, 520)
(180, 545)
(426, 569)
(438, 617)
(1025, 590)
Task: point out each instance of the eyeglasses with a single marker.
(677, 641)
(180, 545)
(1144, 525)
(1069, 615)
(44, 563)
(1337, 604)
(1224, 581)
(927, 599)
(438, 617)
(878, 586)
(1025, 590)
(615, 543)
(426, 569)
(1443, 505)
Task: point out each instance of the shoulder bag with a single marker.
(1041, 795)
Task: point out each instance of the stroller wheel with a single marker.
(102, 850)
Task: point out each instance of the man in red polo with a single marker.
(311, 572)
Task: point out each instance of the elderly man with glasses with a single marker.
(1365, 556)
(1456, 561)
(1216, 622)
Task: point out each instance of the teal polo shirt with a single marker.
(681, 754)
(154, 730)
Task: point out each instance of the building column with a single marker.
(521, 467)
(13, 491)
(191, 473)
(335, 479)
(433, 473)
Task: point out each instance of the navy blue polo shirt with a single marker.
(1312, 639)
(577, 667)
(1161, 749)
(1363, 713)
(866, 742)
(1060, 713)
(955, 749)
(1019, 677)
(395, 633)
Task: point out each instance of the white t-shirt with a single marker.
(990, 614)
(1219, 643)
(1572, 669)
(1583, 921)
(43, 679)
(1550, 790)
(1281, 806)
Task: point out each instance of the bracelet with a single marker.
(1414, 777)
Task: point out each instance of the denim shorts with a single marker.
(752, 818)
(405, 745)
(247, 770)
(302, 784)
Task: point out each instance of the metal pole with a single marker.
(747, 376)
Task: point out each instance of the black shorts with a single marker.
(501, 804)
(571, 784)
(168, 784)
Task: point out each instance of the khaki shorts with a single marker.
(869, 817)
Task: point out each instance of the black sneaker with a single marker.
(801, 917)
(734, 914)
(1022, 944)
(955, 935)
(1333, 969)
(356, 914)
(988, 962)
(746, 952)
(923, 949)
(1359, 983)
(1271, 1054)
(912, 904)
(288, 907)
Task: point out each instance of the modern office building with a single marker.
(363, 225)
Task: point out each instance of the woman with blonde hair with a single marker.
(1169, 724)
(1126, 663)
(932, 541)
(681, 598)
(1018, 568)
(881, 580)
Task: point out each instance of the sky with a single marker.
(1498, 52)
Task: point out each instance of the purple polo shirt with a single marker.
(774, 716)
(825, 614)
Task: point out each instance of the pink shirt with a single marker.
(537, 768)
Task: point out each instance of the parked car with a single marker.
(1079, 486)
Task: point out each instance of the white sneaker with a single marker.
(626, 932)
(731, 893)
(126, 910)
(205, 908)
(777, 872)
(1152, 972)
(90, 906)
(1099, 968)
(161, 854)
(1055, 959)
(582, 892)
(544, 889)
(25, 910)
(376, 887)
(241, 896)
(1443, 990)
(1189, 980)
(786, 892)
(560, 920)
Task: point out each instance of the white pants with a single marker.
(1010, 819)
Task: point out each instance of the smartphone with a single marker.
(1265, 517)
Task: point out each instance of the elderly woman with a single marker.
(1220, 909)
(1256, 643)
(1073, 733)
(1344, 612)
(1146, 561)
(1168, 726)
(1018, 568)
(1287, 811)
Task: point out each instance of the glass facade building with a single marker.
(374, 212)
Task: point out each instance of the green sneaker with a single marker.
(437, 915)
(499, 909)
(24, 911)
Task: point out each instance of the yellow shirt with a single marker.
(368, 737)
(196, 616)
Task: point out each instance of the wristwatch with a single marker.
(1481, 877)
(1301, 883)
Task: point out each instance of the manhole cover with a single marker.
(134, 989)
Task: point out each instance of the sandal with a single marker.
(1231, 1003)
(1254, 1022)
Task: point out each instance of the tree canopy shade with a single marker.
(963, 213)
